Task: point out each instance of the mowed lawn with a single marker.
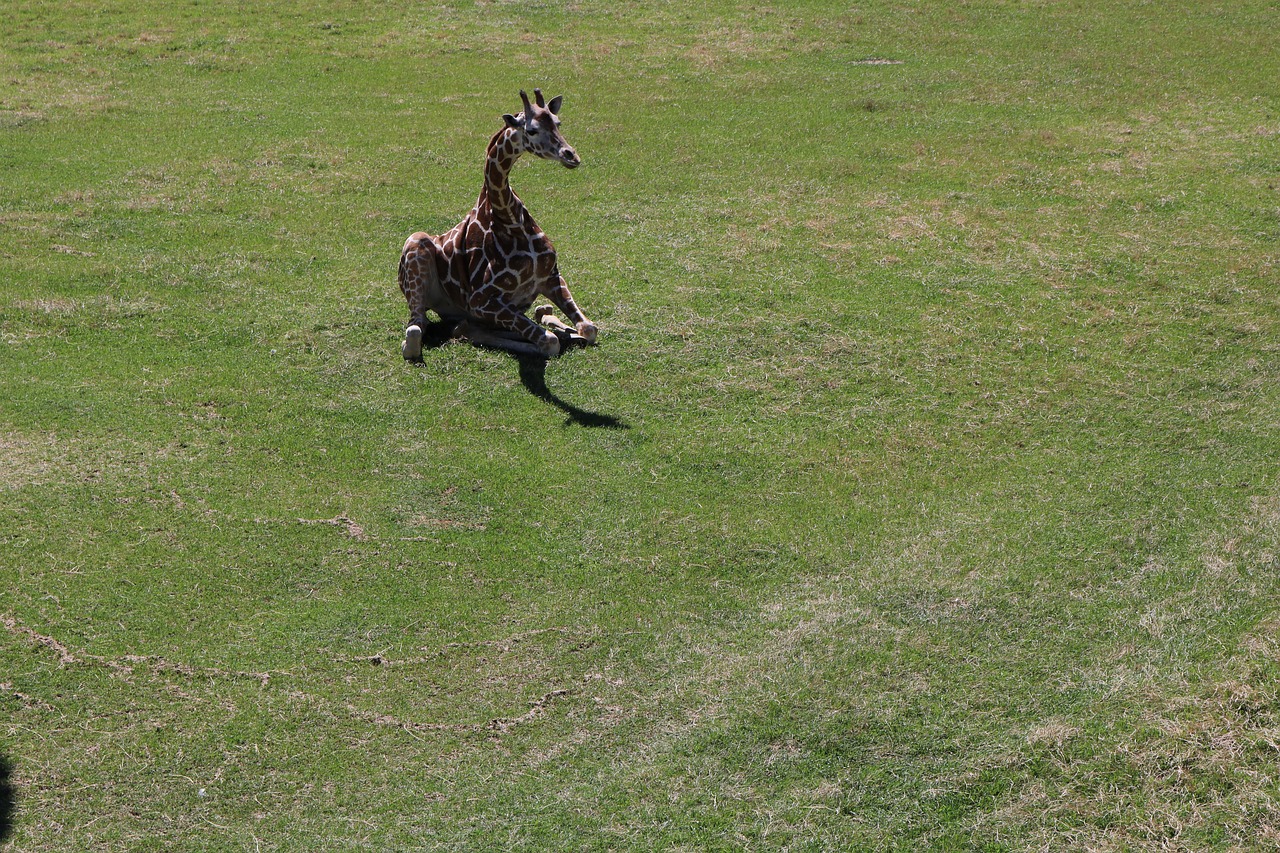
(922, 492)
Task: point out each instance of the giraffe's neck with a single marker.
(504, 149)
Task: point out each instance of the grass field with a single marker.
(923, 491)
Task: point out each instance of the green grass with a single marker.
(923, 491)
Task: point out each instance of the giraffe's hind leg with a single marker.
(546, 315)
(426, 335)
(411, 346)
(420, 282)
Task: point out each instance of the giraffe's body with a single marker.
(485, 273)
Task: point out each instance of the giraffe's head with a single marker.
(538, 129)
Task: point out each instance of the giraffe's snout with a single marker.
(570, 158)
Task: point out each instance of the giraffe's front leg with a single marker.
(514, 327)
(546, 315)
(569, 337)
(563, 299)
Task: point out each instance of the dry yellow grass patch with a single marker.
(27, 461)
(48, 305)
(1054, 733)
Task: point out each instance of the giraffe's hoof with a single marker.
(541, 312)
(566, 337)
(411, 349)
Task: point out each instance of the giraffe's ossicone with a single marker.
(485, 273)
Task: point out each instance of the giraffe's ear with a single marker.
(554, 106)
(511, 120)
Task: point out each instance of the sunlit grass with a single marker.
(922, 491)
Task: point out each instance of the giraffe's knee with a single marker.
(416, 241)
(549, 344)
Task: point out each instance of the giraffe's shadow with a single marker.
(533, 376)
(437, 334)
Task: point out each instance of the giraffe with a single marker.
(485, 273)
